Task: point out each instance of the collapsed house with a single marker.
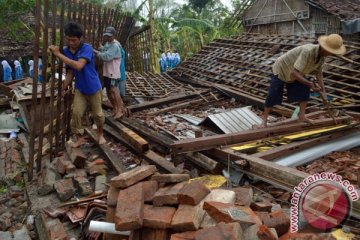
(186, 162)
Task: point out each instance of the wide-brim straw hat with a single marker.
(333, 44)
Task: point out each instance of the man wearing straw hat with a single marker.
(291, 68)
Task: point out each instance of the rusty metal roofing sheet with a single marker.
(236, 120)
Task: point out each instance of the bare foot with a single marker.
(307, 120)
(118, 115)
(80, 141)
(101, 140)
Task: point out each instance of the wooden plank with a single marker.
(204, 143)
(295, 147)
(204, 162)
(162, 101)
(140, 144)
(142, 129)
(150, 155)
(109, 154)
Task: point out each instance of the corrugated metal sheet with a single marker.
(190, 118)
(236, 120)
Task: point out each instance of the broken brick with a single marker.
(78, 157)
(56, 229)
(230, 231)
(46, 181)
(64, 189)
(187, 218)
(158, 217)
(129, 208)
(256, 232)
(112, 196)
(83, 185)
(150, 188)
(63, 166)
(100, 184)
(244, 196)
(261, 206)
(167, 195)
(225, 212)
(149, 234)
(216, 195)
(170, 178)
(278, 220)
(192, 193)
(133, 176)
(184, 236)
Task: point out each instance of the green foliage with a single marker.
(11, 13)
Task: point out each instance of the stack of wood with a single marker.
(156, 206)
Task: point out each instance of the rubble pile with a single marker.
(171, 206)
(346, 164)
(15, 220)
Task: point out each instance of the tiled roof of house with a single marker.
(344, 9)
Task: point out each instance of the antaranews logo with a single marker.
(322, 200)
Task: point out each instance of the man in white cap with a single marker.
(291, 68)
(110, 54)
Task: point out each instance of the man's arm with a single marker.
(297, 75)
(68, 79)
(320, 80)
(109, 54)
(77, 65)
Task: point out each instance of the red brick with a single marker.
(225, 212)
(184, 236)
(150, 234)
(64, 189)
(192, 193)
(306, 236)
(63, 166)
(110, 215)
(252, 232)
(278, 220)
(83, 185)
(261, 206)
(216, 195)
(222, 231)
(265, 233)
(56, 229)
(158, 217)
(244, 196)
(150, 188)
(46, 181)
(78, 157)
(129, 208)
(170, 178)
(187, 218)
(133, 176)
(167, 195)
(112, 196)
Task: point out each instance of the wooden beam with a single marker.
(204, 162)
(204, 143)
(149, 155)
(149, 133)
(140, 144)
(109, 154)
(295, 147)
(162, 101)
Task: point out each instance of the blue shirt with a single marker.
(87, 80)
(18, 73)
(122, 65)
(7, 74)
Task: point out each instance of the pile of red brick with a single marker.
(170, 206)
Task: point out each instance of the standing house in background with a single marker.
(302, 17)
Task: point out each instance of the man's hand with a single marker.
(315, 87)
(54, 49)
(96, 51)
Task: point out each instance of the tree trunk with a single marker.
(154, 55)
